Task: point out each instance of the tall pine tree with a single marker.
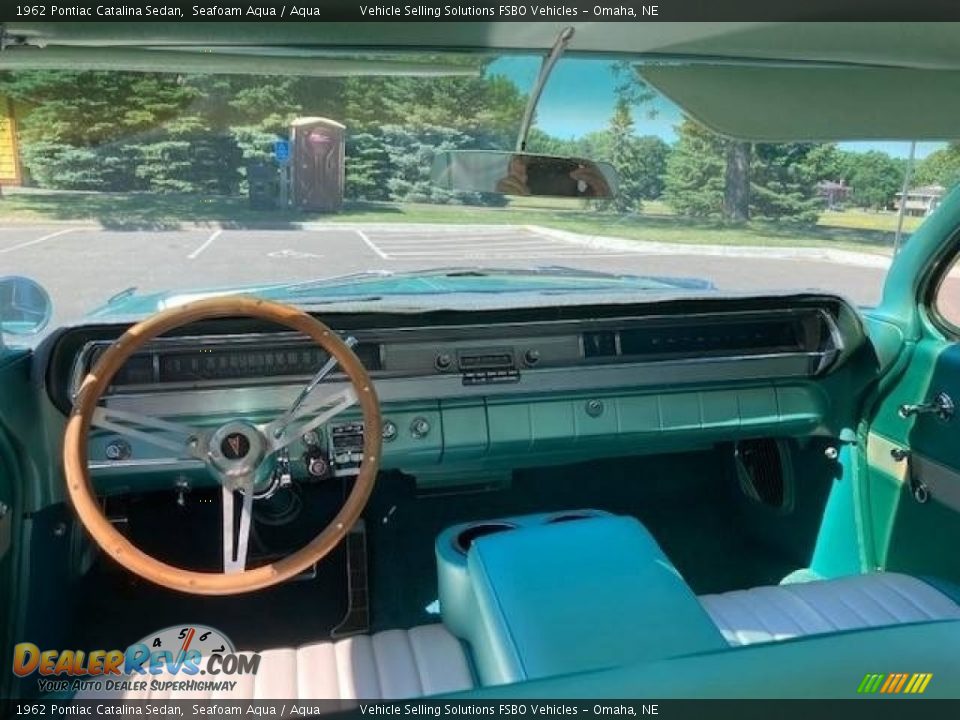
(625, 158)
(784, 183)
(694, 179)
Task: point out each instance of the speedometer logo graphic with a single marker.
(181, 639)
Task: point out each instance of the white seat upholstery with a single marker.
(425, 660)
(764, 614)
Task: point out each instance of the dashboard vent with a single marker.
(600, 344)
(763, 471)
(741, 337)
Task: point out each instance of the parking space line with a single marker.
(206, 243)
(370, 244)
(39, 240)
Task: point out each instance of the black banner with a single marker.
(482, 11)
(854, 709)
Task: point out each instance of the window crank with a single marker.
(942, 406)
(918, 489)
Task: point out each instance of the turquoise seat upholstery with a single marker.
(568, 597)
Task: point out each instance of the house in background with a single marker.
(834, 194)
(920, 201)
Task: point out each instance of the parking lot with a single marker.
(84, 265)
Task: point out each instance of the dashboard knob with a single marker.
(419, 427)
(389, 431)
(531, 357)
(118, 450)
(443, 361)
(594, 408)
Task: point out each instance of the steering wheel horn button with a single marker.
(237, 450)
(235, 446)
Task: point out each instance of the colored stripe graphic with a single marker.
(894, 683)
(870, 684)
(888, 683)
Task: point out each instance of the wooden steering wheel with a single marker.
(239, 454)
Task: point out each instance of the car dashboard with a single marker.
(469, 396)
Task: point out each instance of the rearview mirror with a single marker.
(25, 307)
(509, 173)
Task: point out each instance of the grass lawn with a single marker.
(856, 230)
(867, 220)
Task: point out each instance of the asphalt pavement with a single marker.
(82, 266)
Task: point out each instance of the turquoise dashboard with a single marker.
(466, 399)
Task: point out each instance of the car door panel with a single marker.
(913, 493)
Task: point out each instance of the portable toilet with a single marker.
(317, 164)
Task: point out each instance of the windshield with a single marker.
(121, 184)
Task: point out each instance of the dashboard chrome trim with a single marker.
(499, 332)
(266, 398)
(146, 465)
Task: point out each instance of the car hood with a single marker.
(389, 289)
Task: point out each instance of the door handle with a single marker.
(942, 406)
(919, 490)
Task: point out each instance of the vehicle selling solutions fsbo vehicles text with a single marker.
(502, 11)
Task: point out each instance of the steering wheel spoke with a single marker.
(311, 414)
(182, 439)
(236, 538)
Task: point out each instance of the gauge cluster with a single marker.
(186, 361)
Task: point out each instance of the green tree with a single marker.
(369, 169)
(784, 183)
(624, 157)
(874, 177)
(491, 105)
(694, 178)
(941, 167)
(827, 161)
(84, 109)
(195, 133)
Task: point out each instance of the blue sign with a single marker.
(281, 151)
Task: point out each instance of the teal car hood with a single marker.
(412, 289)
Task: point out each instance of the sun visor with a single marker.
(784, 104)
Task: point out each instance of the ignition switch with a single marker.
(317, 465)
(315, 459)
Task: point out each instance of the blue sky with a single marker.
(579, 98)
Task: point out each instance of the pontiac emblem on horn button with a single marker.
(235, 446)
